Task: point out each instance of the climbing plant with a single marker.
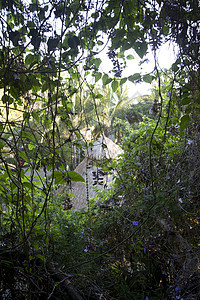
(49, 51)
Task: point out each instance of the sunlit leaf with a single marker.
(123, 80)
(148, 78)
(97, 76)
(134, 77)
(130, 56)
(75, 176)
(114, 85)
(106, 80)
(59, 177)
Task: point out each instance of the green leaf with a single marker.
(36, 41)
(59, 177)
(97, 62)
(106, 80)
(175, 67)
(165, 30)
(114, 85)
(2, 144)
(120, 54)
(186, 100)
(75, 176)
(148, 78)
(185, 121)
(22, 154)
(52, 44)
(130, 56)
(188, 109)
(7, 99)
(14, 92)
(99, 96)
(113, 164)
(72, 195)
(73, 42)
(97, 76)
(28, 135)
(40, 256)
(123, 80)
(134, 77)
(100, 43)
(29, 59)
(28, 185)
(31, 147)
(15, 37)
(106, 169)
(140, 48)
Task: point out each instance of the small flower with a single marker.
(86, 249)
(82, 232)
(177, 289)
(180, 200)
(145, 249)
(16, 76)
(147, 298)
(135, 223)
(189, 142)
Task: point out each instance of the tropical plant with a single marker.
(48, 53)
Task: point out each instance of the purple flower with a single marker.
(147, 298)
(189, 142)
(86, 249)
(177, 289)
(135, 223)
(82, 232)
(16, 76)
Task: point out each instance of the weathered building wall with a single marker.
(95, 178)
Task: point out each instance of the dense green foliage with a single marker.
(141, 240)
